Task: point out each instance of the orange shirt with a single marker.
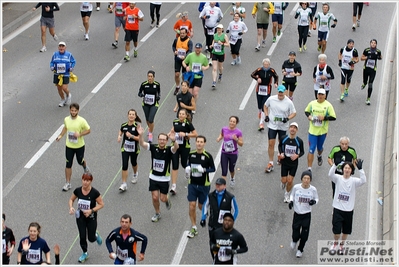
(183, 24)
(131, 22)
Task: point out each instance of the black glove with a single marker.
(352, 63)
(333, 26)
(267, 119)
(284, 7)
(203, 223)
(218, 20)
(227, 31)
(340, 63)
(230, 251)
(141, 94)
(285, 120)
(215, 248)
(207, 16)
(312, 202)
(296, 16)
(240, 33)
(359, 164)
(158, 98)
(291, 204)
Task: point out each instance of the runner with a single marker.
(232, 138)
(220, 41)
(184, 130)
(304, 13)
(236, 28)
(47, 21)
(62, 64)
(370, 56)
(76, 128)
(89, 203)
(347, 58)
(155, 8)
(8, 241)
(290, 70)
(185, 100)
(302, 198)
(195, 64)
(278, 109)
(133, 16)
(85, 11)
(313, 7)
(130, 147)
(119, 8)
(261, 11)
(181, 47)
(322, 74)
(200, 164)
(161, 155)
(126, 238)
(150, 91)
(36, 247)
(277, 18)
(357, 11)
(324, 25)
(183, 22)
(238, 9)
(319, 113)
(263, 76)
(290, 149)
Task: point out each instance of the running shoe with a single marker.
(43, 49)
(62, 103)
(83, 257)
(123, 187)
(109, 8)
(149, 137)
(210, 61)
(86, 36)
(334, 246)
(342, 97)
(341, 249)
(176, 90)
(98, 238)
(66, 187)
(278, 32)
(346, 92)
(232, 183)
(354, 27)
(220, 78)
(287, 197)
(193, 232)
(98, 8)
(282, 186)
(319, 48)
(135, 176)
(293, 245)
(126, 58)
(238, 60)
(274, 39)
(261, 127)
(233, 62)
(168, 203)
(213, 84)
(263, 43)
(269, 167)
(368, 101)
(115, 44)
(304, 48)
(68, 99)
(135, 53)
(152, 23)
(309, 34)
(298, 254)
(362, 86)
(55, 37)
(319, 160)
(86, 169)
(156, 217)
(257, 48)
(300, 49)
(157, 24)
(173, 189)
(358, 23)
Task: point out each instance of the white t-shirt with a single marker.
(301, 197)
(278, 110)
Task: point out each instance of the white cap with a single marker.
(62, 43)
(220, 26)
(294, 124)
(321, 91)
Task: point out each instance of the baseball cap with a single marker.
(294, 124)
(220, 26)
(321, 91)
(62, 43)
(281, 89)
(292, 53)
(220, 181)
(198, 45)
(228, 214)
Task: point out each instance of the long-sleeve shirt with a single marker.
(126, 245)
(45, 13)
(301, 197)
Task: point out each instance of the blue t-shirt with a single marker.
(34, 255)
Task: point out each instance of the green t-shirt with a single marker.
(79, 125)
(196, 62)
(217, 48)
(316, 126)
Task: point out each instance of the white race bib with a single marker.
(370, 63)
(122, 253)
(210, 31)
(61, 67)
(158, 165)
(196, 67)
(217, 47)
(72, 138)
(179, 139)
(221, 214)
(194, 168)
(228, 146)
(262, 90)
(181, 52)
(290, 150)
(149, 99)
(33, 255)
(233, 39)
(317, 122)
(83, 204)
(130, 19)
(129, 146)
(222, 254)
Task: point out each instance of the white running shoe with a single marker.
(86, 36)
(68, 99)
(156, 217)
(55, 37)
(123, 187)
(232, 183)
(293, 245)
(62, 102)
(43, 49)
(263, 43)
(298, 254)
(233, 62)
(238, 60)
(66, 187)
(134, 179)
(257, 48)
(286, 197)
(98, 8)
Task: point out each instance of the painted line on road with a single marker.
(247, 95)
(148, 35)
(106, 78)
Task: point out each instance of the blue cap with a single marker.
(198, 45)
(281, 89)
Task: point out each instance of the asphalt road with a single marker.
(107, 89)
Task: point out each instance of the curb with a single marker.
(11, 27)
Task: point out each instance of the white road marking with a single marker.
(247, 95)
(106, 78)
(180, 249)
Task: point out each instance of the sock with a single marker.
(195, 227)
(127, 53)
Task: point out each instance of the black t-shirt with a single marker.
(128, 144)
(160, 159)
(291, 67)
(86, 202)
(231, 240)
(185, 99)
(185, 127)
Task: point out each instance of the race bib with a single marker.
(278, 118)
(72, 138)
(129, 146)
(233, 39)
(317, 122)
(122, 253)
(158, 165)
(343, 196)
(196, 67)
(61, 67)
(222, 254)
(83, 204)
(370, 63)
(130, 19)
(149, 99)
(290, 72)
(210, 31)
(228, 146)
(179, 139)
(194, 170)
(4, 246)
(217, 47)
(181, 52)
(290, 150)
(33, 255)
(262, 90)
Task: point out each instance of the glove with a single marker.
(203, 223)
(284, 7)
(296, 15)
(52, 68)
(240, 33)
(359, 164)
(207, 16)
(188, 172)
(230, 251)
(285, 120)
(215, 247)
(158, 98)
(291, 204)
(340, 63)
(333, 26)
(267, 119)
(141, 94)
(312, 202)
(70, 69)
(218, 20)
(352, 63)
(227, 31)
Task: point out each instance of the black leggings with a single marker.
(300, 229)
(155, 8)
(87, 227)
(369, 75)
(303, 34)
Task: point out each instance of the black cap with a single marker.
(307, 172)
(220, 181)
(292, 53)
(350, 41)
(198, 45)
(228, 214)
